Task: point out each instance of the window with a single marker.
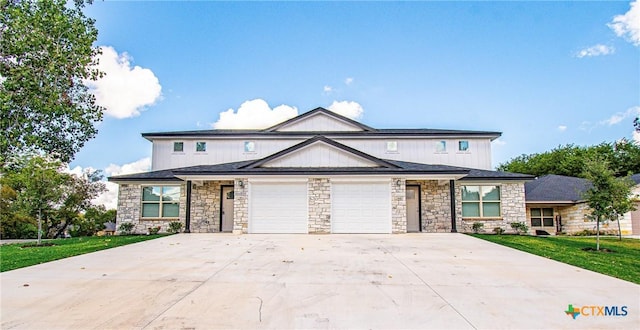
(201, 146)
(249, 146)
(392, 146)
(480, 201)
(178, 146)
(542, 217)
(463, 145)
(160, 201)
(441, 146)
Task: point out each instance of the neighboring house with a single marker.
(634, 216)
(555, 203)
(321, 172)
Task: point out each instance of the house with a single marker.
(321, 172)
(555, 204)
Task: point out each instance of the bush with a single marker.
(519, 227)
(126, 228)
(477, 226)
(498, 230)
(154, 230)
(174, 227)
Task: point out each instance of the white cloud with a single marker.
(327, 89)
(348, 81)
(124, 90)
(636, 136)
(628, 25)
(499, 142)
(596, 50)
(254, 114)
(110, 197)
(620, 116)
(349, 109)
(562, 128)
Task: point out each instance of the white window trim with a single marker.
(482, 217)
(160, 202)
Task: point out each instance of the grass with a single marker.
(621, 263)
(14, 256)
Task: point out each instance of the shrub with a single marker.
(126, 228)
(498, 230)
(175, 227)
(477, 226)
(519, 227)
(154, 230)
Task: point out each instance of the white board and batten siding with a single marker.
(361, 207)
(278, 207)
(319, 123)
(320, 154)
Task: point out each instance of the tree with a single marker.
(43, 190)
(46, 54)
(609, 197)
(92, 221)
(569, 160)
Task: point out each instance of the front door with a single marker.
(227, 209)
(413, 209)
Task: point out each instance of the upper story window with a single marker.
(480, 201)
(178, 146)
(463, 145)
(441, 146)
(160, 201)
(201, 146)
(249, 146)
(392, 146)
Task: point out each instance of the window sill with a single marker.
(159, 219)
(482, 219)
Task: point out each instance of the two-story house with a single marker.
(321, 172)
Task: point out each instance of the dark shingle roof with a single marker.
(475, 174)
(556, 188)
(636, 178)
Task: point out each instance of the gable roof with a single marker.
(556, 188)
(323, 140)
(315, 112)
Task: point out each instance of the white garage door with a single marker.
(278, 208)
(362, 207)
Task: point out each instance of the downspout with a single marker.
(187, 220)
(452, 195)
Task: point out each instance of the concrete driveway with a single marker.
(206, 281)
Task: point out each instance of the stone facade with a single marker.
(241, 206)
(129, 204)
(205, 206)
(512, 209)
(319, 206)
(398, 206)
(577, 217)
(436, 207)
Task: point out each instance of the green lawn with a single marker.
(623, 262)
(14, 256)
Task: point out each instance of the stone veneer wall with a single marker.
(512, 208)
(129, 204)
(398, 206)
(319, 206)
(241, 207)
(436, 206)
(576, 218)
(205, 206)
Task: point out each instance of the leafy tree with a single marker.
(609, 197)
(92, 221)
(569, 160)
(46, 54)
(43, 190)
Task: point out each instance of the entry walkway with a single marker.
(207, 281)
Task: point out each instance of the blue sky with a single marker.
(543, 73)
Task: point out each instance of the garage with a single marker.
(278, 207)
(361, 207)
